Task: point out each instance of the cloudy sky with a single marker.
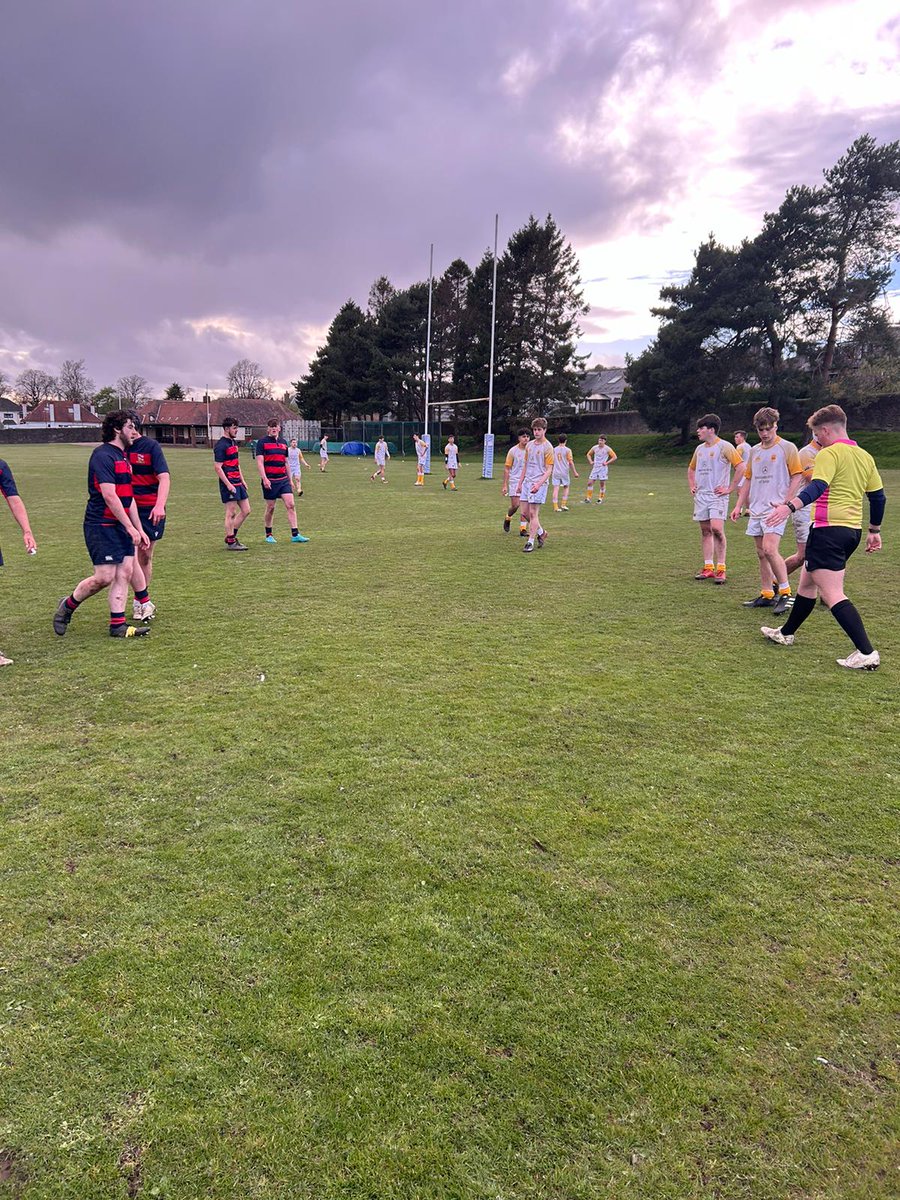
(191, 182)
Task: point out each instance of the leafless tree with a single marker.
(5, 381)
(74, 385)
(133, 391)
(33, 387)
(247, 382)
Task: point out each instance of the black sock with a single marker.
(846, 615)
(803, 606)
(294, 531)
(268, 531)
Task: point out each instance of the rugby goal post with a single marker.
(487, 455)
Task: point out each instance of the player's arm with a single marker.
(158, 511)
(17, 508)
(261, 468)
(572, 465)
(743, 493)
(548, 470)
(129, 522)
(612, 455)
(507, 467)
(877, 501)
(303, 460)
(590, 455)
(692, 480)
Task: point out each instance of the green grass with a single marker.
(404, 865)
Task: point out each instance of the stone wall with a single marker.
(16, 436)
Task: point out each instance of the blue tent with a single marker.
(357, 448)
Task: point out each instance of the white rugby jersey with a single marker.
(515, 460)
(381, 451)
(769, 472)
(538, 458)
(602, 455)
(712, 465)
(451, 450)
(562, 459)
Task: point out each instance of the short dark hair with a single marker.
(742, 432)
(711, 421)
(272, 422)
(562, 439)
(229, 421)
(524, 433)
(113, 423)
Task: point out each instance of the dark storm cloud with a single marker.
(266, 161)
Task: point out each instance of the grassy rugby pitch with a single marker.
(404, 865)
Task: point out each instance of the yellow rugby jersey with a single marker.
(712, 465)
(849, 471)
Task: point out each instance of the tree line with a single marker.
(799, 311)
(374, 360)
(73, 385)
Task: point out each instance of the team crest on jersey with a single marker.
(142, 459)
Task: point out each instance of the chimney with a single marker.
(51, 409)
(76, 412)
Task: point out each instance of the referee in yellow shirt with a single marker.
(841, 473)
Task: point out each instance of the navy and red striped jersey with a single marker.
(273, 451)
(108, 464)
(147, 464)
(7, 483)
(225, 452)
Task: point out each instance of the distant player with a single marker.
(295, 462)
(536, 476)
(743, 448)
(563, 463)
(421, 459)
(709, 475)
(112, 529)
(513, 470)
(842, 473)
(232, 484)
(323, 453)
(10, 493)
(772, 476)
(382, 454)
(451, 458)
(599, 456)
(150, 481)
(271, 462)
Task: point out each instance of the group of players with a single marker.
(819, 488)
(530, 467)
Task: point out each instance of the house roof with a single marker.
(7, 405)
(194, 412)
(604, 381)
(62, 412)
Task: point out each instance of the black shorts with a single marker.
(239, 493)
(280, 487)
(830, 546)
(107, 544)
(153, 532)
